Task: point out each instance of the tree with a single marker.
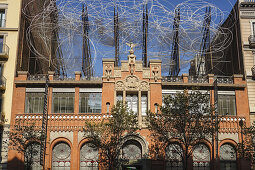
(25, 138)
(108, 135)
(185, 119)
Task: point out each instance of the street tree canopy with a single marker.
(184, 120)
(108, 134)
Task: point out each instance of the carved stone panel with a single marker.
(108, 71)
(138, 67)
(146, 73)
(155, 72)
(124, 67)
(117, 73)
(119, 86)
(132, 83)
(144, 86)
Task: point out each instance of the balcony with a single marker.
(252, 41)
(4, 52)
(2, 83)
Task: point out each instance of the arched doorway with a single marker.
(32, 157)
(227, 157)
(61, 156)
(174, 154)
(201, 157)
(88, 157)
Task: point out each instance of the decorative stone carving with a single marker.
(131, 57)
(124, 66)
(155, 72)
(132, 83)
(55, 135)
(144, 86)
(117, 73)
(138, 67)
(108, 71)
(120, 86)
(146, 73)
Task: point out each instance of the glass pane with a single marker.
(144, 105)
(34, 102)
(61, 156)
(2, 17)
(63, 103)
(90, 102)
(88, 157)
(226, 105)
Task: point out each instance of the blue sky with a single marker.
(224, 5)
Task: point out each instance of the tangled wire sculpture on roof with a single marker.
(61, 21)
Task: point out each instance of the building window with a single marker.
(201, 157)
(253, 28)
(61, 157)
(119, 96)
(88, 157)
(132, 150)
(174, 155)
(2, 18)
(107, 107)
(1, 44)
(90, 102)
(227, 157)
(63, 103)
(226, 105)
(144, 104)
(156, 107)
(34, 102)
(132, 101)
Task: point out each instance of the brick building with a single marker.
(72, 101)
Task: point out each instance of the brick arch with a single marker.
(54, 143)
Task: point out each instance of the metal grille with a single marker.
(88, 157)
(32, 157)
(61, 156)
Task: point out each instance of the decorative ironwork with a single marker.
(61, 156)
(44, 123)
(37, 77)
(88, 157)
(198, 79)
(253, 72)
(132, 150)
(227, 153)
(225, 79)
(201, 157)
(172, 79)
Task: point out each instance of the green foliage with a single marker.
(25, 138)
(108, 135)
(185, 117)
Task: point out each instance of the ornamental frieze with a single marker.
(132, 83)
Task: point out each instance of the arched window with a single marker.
(201, 157)
(132, 150)
(174, 154)
(107, 107)
(88, 157)
(227, 157)
(32, 157)
(61, 156)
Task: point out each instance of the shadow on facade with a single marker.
(16, 164)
